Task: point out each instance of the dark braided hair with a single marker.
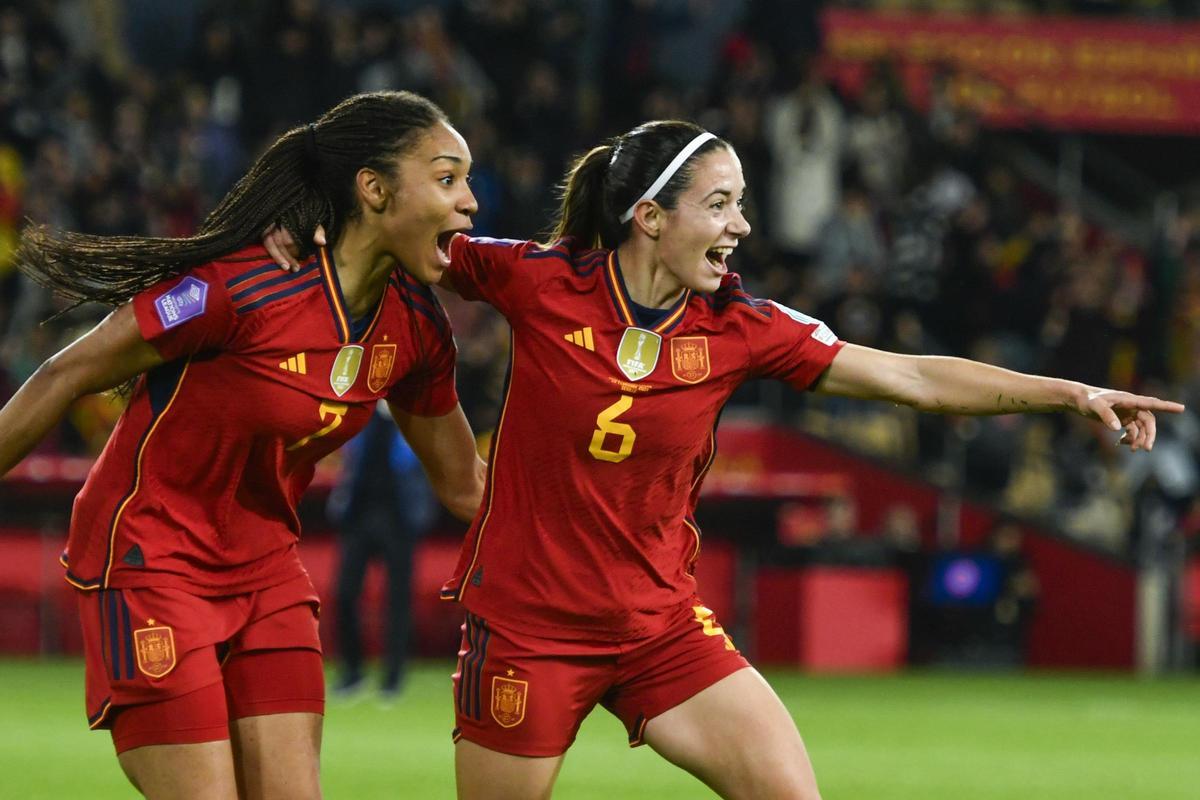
(607, 179)
(305, 179)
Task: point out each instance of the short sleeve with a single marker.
(790, 346)
(428, 391)
(495, 271)
(186, 314)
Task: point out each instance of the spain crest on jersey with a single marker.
(637, 354)
(689, 358)
(383, 356)
(508, 701)
(155, 648)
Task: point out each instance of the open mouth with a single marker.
(717, 255)
(443, 244)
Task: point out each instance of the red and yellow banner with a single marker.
(1049, 72)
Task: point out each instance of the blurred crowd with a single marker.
(901, 228)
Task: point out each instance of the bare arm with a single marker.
(106, 356)
(446, 449)
(958, 386)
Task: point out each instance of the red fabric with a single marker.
(192, 718)
(569, 544)
(125, 668)
(198, 485)
(260, 682)
(559, 682)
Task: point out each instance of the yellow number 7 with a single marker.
(338, 410)
(606, 424)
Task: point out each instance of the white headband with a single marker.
(668, 173)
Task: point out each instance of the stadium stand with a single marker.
(906, 220)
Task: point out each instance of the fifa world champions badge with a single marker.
(185, 301)
(155, 648)
(637, 354)
(345, 369)
(508, 701)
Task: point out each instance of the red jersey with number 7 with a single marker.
(265, 374)
(605, 434)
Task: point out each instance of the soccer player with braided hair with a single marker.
(200, 623)
(629, 334)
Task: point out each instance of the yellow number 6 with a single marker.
(605, 424)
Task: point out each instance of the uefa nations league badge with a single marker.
(181, 303)
(345, 368)
(637, 354)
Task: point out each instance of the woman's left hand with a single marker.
(282, 247)
(1133, 412)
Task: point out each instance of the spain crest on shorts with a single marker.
(383, 356)
(689, 358)
(155, 648)
(508, 701)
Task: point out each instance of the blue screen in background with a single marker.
(964, 579)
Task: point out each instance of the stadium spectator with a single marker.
(136, 60)
(200, 624)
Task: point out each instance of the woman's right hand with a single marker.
(282, 247)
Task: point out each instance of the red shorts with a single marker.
(527, 695)
(154, 645)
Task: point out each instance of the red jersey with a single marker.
(605, 434)
(265, 374)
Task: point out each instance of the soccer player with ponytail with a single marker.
(200, 623)
(629, 334)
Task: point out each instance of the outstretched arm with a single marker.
(959, 386)
(446, 449)
(107, 356)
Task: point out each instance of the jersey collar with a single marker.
(337, 302)
(623, 305)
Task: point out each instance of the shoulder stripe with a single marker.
(271, 298)
(490, 240)
(421, 298)
(287, 277)
(422, 307)
(251, 274)
(561, 255)
(763, 307)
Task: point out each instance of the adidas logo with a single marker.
(295, 364)
(133, 557)
(582, 338)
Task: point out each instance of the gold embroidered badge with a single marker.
(508, 701)
(637, 354)
(345, 368)
(155, 648)
(383, 356)
(689, 358)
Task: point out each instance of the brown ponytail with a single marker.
(608, 179)
(581, 213)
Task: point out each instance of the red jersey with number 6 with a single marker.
(265, 374)
(605, 434)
